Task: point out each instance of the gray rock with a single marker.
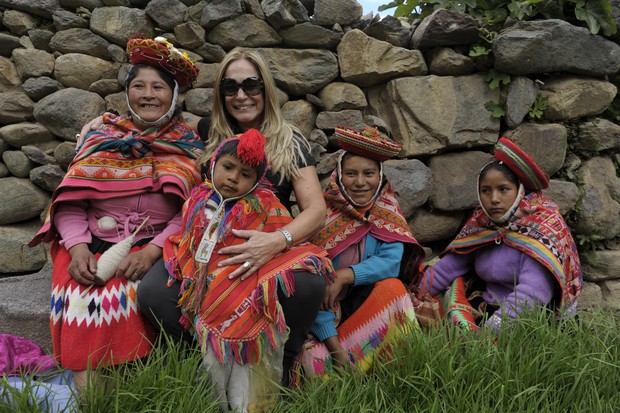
(18, 163)
(542, 46)
(392, 30)
(412, 182)
(445, 28)
(330, 12)
(3, 146)
(18, 22)
(8, 43)
(564, 193)
(33, 63)
(319, 137)
(4, 171)
(15, 107)
(37, 155)
(105, 87)
(254, 7)
(117, 102)
(244, 29)
(591, 297)
(429, 226)
(206, 78)
(41, 38)
(117, 24)
(82, 41)
(76, 70)
(546, 143)
(299, 72)
(211, 52)
(21, 134)
(64, 154)
(309, 35)
(521, 94)
(17, 257)
(74, 4)
(445, 61)
(380, 61)
(598, 135)
(64, 20)
(199, 101)
(456, 191)
(327, 164)
(411, 112)
(599, 208)
(284, 13)
(47, 177)
(43, 8)
(65, 111)
(300, 113)
(190, 35)
(217, 11)
(166, 13)
(611, 292)
(339, 95)
(25, 306)
(351, 118)
(576, 97)
(601, 265)
(36, 88)
(9, 77)
(21, 200)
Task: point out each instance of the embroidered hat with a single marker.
(367, 143)
(531, 175)
(159, 52)
(249, 147)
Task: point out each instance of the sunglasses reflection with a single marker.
(251, 86)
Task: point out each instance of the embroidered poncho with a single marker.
(119, 159)
(538, 230)
(239, 319)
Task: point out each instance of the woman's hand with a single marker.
(83, 264)
(136, 264)
(259, 248)
(344, 277)
(86, 129)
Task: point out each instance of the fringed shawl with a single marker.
(120, 160)
(240, 320)
(345, 225)
(538, 230)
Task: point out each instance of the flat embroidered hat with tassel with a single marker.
(367, 143)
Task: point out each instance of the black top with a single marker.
(283, 191)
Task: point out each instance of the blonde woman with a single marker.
(245, 98)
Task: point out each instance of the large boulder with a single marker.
(21, 200)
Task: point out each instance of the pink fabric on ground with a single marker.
(19, 355)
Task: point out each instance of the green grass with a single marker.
(535, 366)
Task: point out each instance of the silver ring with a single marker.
(246, 265)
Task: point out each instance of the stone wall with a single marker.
(62, 62)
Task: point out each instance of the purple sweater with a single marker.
(514, 280)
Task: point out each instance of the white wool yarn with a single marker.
(110, 260)
(106, 222)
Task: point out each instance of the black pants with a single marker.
(158, 303)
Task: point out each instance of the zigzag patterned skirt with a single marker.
(385, 317)
(102, 328)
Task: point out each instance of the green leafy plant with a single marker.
(497, 111)
(496, 78)
(594, 14)
(538, 107)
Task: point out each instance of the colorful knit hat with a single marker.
(160, 53)
(367, 143)
(531, 175)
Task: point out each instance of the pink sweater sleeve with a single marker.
(71, 221)
(173, 227)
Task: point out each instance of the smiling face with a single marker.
(497, 193)
(233, 178)
(149, 95)
(360, 178)
(247, 110)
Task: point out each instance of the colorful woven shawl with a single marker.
(239, 319)
(537, 229)
(121, 160)
(345, 225)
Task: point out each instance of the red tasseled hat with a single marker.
(251, 148)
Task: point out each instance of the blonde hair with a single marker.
(284, 141)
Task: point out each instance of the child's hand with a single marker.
(344, 277)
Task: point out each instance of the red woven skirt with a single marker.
(102, 328)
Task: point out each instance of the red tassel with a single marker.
(251, 148)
